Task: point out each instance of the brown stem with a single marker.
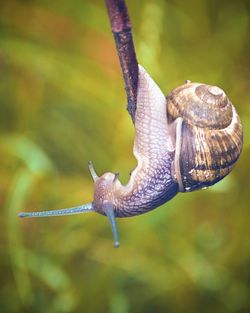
(121, 28)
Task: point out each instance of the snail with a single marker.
(186, 141)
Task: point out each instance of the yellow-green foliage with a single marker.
(62, 103)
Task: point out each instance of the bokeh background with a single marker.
(62, 103)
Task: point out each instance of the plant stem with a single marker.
(121, 29)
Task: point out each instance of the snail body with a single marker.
(186, 141)
(151, 182)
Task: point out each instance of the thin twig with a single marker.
(121, 28)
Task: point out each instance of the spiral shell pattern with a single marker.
(211, 134)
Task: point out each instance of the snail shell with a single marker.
(210, 137)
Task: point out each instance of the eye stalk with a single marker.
(109, 210)
(85, 208)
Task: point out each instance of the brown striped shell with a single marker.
(210, 136)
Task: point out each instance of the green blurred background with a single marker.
(62, 103)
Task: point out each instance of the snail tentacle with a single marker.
(85, 208)
(92, 171)
(109, 211)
